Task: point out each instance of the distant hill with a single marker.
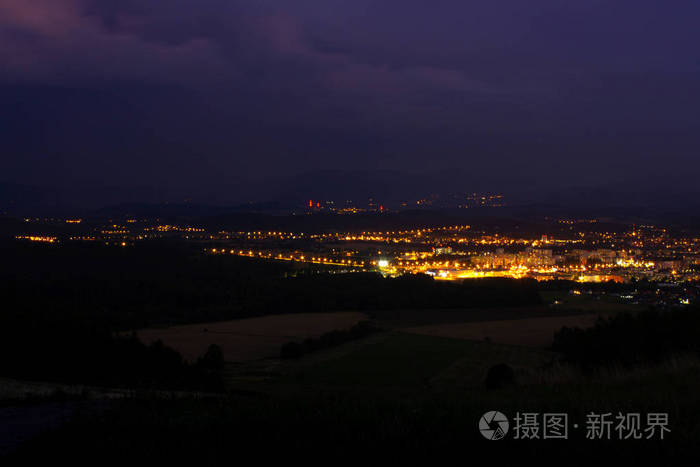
(632, 201)
(174, 210)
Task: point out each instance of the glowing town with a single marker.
(584, 250)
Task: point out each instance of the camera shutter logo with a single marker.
(493, 425)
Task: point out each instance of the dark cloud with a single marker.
(200, 93)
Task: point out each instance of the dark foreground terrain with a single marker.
(78, 385)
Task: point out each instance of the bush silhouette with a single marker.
(213, 359)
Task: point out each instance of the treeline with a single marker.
(130, 288)
(327, 340)
(79, 355)
(631, 339)
(163, 283)
(63, 305)
(611, 286)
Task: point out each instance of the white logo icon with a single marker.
(493, 425)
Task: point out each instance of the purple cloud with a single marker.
(378, 81)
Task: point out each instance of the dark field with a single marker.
(249, 339)
(397, 319)
(400, 398)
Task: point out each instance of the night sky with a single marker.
(200, 98)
